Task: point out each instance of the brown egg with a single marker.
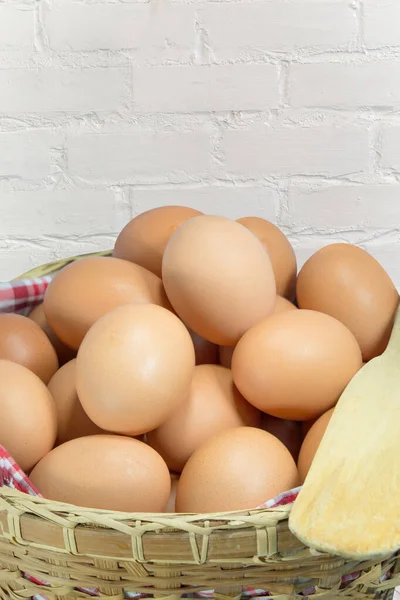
(225, 355)
(134, 368)
(87, 289)
(23, 342)
(283, 305)
(225, 352)
(288, 432)
(28, 423)
(294, 365)
(237, 469)
(72, 420)
(306, 426)
(280, 251)
(347, 283)
(214, 404)
(311, 443)
(206, 352)
(107, 472)
(170, 508)
(218, 278)
(64, 353)
(143, 239)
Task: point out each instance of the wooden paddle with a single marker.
(350, 502)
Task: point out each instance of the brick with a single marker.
(27, 154)
(63, 90)
(342, 207)
(344, 85)
(233, 202)
(323, 150)
(60, 213)
(16, 27)
(128, 157)
(381, 23)
(390, 150)
(205, 88)
(162, 29)
(245, 29)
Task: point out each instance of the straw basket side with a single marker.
(80, 553)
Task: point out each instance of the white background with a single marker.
(284, 109)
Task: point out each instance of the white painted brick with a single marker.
(381, 23)
(19, 256)
(391, 147)
(63, 90)
(27, 154)
(296, 151)
(342, 207)
(233, 202)
(345, 85)
(16, 27)
(150, 28)
(131, 156)
(60, 213)
(205, 88)
(237, 28)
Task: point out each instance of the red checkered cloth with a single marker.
(21, 297)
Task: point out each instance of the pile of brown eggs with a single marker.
(193, 371)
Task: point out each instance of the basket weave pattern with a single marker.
(113, 555)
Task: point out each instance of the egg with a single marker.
(311, 443)
(206, 352)
(106, 472)
(280, 251)
(23, 342)
(89, 288)
(225, 352)
(28, 423)
(294, 365)
(144, 238)
(288, 432)
(170, 508)
(218, 278)
(237, 469)
(134, 368)
(64, 353)
(72, 420)
(214, 404)
(347, 283)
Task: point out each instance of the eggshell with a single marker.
(206, 352)
(288, 432)
(170, 508)
(23, 342)
(134, 368)
(144, 238)
(214, 404)
(64, 353)
(311, 443)
(89, 288)
(225, 352)
(107, 472)
(295, 365)
(72, 420)
(347, 283)
(280, 251)
(218, 277)
(237, 469)
(28, 423)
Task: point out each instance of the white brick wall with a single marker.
(287, 109)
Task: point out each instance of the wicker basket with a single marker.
(75, 550)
